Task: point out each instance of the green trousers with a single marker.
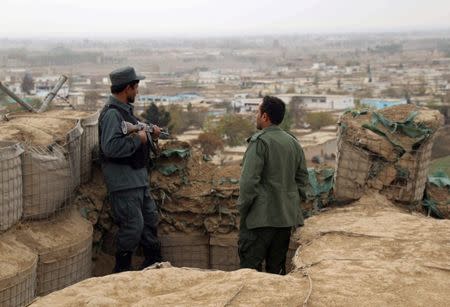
(269, 244)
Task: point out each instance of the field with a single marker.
(441, 164)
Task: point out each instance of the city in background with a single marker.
(212, 86)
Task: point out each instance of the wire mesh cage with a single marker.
(387, 150)
(72, 147)
(64, 248)
(17, 274)
(57, 273)
(402, 179)
(11, 203)
(47, 181)
(186, 250)
(89, 141)
(224, 252)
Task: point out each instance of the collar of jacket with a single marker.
(272, 128)
(126, 106)
(257, 134)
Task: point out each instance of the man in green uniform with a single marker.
(125, 159)
(273, 181)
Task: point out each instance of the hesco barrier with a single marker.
(17, 273)
(62, 268)
(72, 146)
(388, 150)
(64, 248)
(89, 140)
(186, 250)
(47, 181)
(11, 202)
(224, 252)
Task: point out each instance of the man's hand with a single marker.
(156, 132)
(142, 136)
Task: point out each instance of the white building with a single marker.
(246, 105)
(324, 102)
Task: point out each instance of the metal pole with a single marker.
(16, 98)
(52, 93)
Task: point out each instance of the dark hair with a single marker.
(274, 108)
(116, 89)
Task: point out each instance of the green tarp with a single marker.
(316, 188)
(167, 170)
(180, 152)
(439, 179)
(407, 127)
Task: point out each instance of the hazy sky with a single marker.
(141, 18)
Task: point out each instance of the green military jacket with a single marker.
(273, 180)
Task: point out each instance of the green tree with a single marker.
(234, 128)
(178, 120)
(391, 92)
(297, 112)
(157, 115)
(209, 142)
(317, 120)
(27, 83)
(3, 99)
(316, 79)
(286, 124)
(196, 117)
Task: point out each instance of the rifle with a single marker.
(128, 128)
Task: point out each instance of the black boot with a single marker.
(123, 262)
(152, 255)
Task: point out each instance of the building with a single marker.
(319, 144)
(246, 105)
(144, 101)
(378, 103)
(320, 102)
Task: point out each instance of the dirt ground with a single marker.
(372, 253)
(368, 253)
(183, 287)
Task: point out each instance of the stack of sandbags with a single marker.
(194, 195)
(11, 199)
(17, 272)
(196, 198)
(387, 150)
(64, 247)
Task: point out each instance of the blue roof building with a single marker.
(379, 103)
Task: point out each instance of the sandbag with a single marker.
(47, 181)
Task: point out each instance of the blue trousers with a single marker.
(136, 214)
